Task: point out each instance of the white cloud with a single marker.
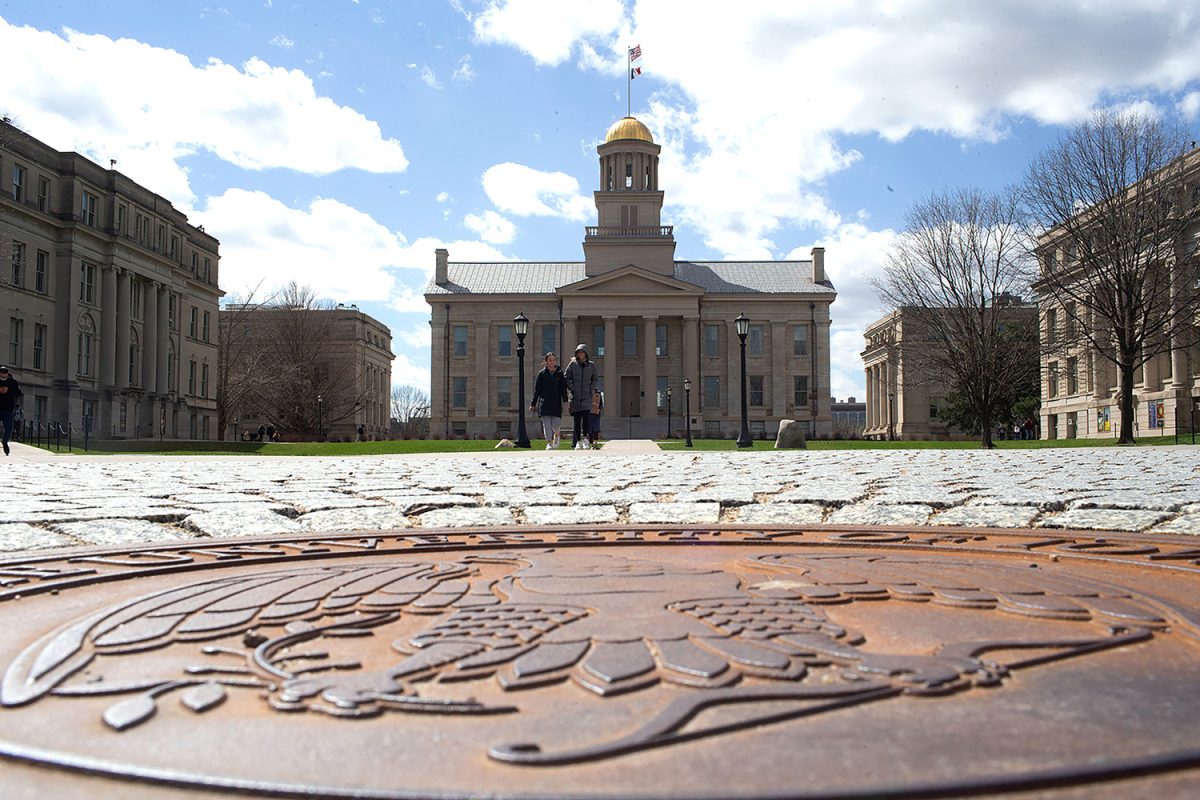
(443, 197)
(854, 255)
(406, 372)
(283, 42)
(377, 16)
(491, 227)
(524, 191)
(1189, 106)
(750, 136)
(74, 92)
(428, 76)
(415, 337)
(546, 29)
(464, 72)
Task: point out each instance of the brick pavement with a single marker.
(61, 502)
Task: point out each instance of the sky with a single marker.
(338, 143)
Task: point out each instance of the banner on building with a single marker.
(1102, 420)
(1157, 414)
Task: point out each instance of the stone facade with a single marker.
(360, 346)
(1080, 386)
(902, 399)
(110, 298)
(650, 321)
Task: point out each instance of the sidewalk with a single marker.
(629, 447)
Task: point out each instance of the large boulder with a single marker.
(791, 436)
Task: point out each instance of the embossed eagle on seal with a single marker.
(752, 635)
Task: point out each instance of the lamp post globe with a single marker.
(521, 327)
(742, 325)
(687, 410)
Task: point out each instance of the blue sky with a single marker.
(340, 142)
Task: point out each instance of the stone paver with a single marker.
(466, 517)
(1103, 519)
(1184, 523)
(240, 523)
(781, 514)
(881, 514)
(17, 536)
(667, 513)
(355, 519)
(570, 515)
(987, 516)
(120, 531)
(118, 500)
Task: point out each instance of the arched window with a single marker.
(84, 343)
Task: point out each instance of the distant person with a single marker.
(10, 399)
(1029, 426)
(549, 393)
(581, 383)
(597, 409)
(362, 433)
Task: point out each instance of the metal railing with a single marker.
(656, 232)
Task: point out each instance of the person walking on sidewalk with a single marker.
(581, 383)
(597, 410)
(549, 393)
(10, 396)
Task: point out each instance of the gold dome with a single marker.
(628, 128)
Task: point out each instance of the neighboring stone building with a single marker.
(110, 298)
(350, 364)
(1080, 387)
(651, 321)
(902, 400)
(849, 417)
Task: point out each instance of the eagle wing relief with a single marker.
(273, 612)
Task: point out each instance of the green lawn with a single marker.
(102, 448)
(863, 444)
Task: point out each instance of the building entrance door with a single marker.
(631, 396)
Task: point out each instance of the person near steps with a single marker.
(10, 398)
(549, 392)
(597, 410)
(581, 384)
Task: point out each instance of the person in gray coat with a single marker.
(581, 383)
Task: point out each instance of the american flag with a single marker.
(635, 53)
(633, 73)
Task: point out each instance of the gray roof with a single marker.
(714, 277)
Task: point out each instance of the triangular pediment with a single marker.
(630, 280)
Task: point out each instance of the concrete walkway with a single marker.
(629, 447)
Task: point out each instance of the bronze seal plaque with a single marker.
(620, 662)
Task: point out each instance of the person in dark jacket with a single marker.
(10, 397)
(549, 394)
(581, 384)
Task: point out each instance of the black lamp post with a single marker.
(891, 416)
(687, 410)
(320, 417)
(521, 326)
(743, 328)
(668, 412)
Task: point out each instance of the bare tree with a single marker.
(309, 384)
(410, 412)
(958, 271)
(1118, 250)
(241, 358)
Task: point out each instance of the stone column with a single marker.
(483, 375)
(163, 334)
(869, 399)
(649, 369)
(108, 327)
(150, 337)
(1099, 378)
(691, 357)
(122, 360)
(733, 357)
(612, 392)
(570, 339)
(779, 371)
